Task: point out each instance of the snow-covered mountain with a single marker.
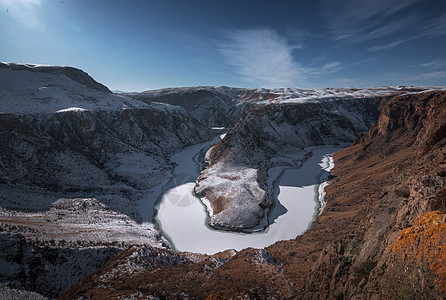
(29, 89)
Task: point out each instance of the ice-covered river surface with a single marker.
(182, 218)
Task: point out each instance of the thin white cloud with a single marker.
(262, 56)
(389, 28)
(368, 60)
(434, 64)
(437, 27)
(386, 46)
(326, 69)
(265, 58)
(363, 20)
(434, 75)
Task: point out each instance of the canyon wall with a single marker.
(383, 183)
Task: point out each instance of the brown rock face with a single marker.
(383, 183)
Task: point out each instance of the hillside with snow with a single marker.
(76, 164)
(31, 89)
(82, 169)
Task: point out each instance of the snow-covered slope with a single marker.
(76, 161)
(28, 88)
(220, 106)
(295, 95)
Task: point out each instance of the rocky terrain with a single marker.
(234, 187)
(383, 183)
(76, 163)
(279, 129)
(79, 166)
(212, 106)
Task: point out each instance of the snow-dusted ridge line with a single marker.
(294, 95)
(72, 73)
(35, 89)
(27, 65)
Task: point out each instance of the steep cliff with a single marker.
(385, 182)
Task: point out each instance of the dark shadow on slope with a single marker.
(48, 270)
(309, 174)
(302, 180)
(276, 211)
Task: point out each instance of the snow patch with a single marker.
(71, 109)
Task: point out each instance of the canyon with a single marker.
(81, 171)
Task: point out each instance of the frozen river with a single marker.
(182, 218)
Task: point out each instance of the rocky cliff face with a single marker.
(397, 172)
(48, 269)
(383, 183)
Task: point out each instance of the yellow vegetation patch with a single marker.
(425, 243)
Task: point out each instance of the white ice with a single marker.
(182, 217)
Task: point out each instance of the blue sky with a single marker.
(138, 45)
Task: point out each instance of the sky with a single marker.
(136, 45)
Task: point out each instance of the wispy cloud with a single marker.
(391, 45)
(434, 75)
(328, 68)
(437, 27)
(368, 60)
(386, 46)
(434, 64)
(261, 56)
(265, 58)
(360, 20)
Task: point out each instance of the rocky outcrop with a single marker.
(396, 180)
(142, 272)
